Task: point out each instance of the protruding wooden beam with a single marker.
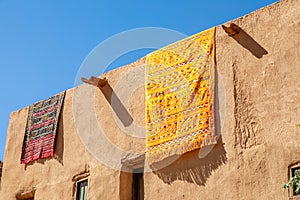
(232, 30)
(98, 82)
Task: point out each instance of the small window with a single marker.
(82, 187)
(293, 169)
(293, 172)
(138, 184)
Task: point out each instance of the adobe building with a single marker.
(258, 146)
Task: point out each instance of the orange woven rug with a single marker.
(180, 93)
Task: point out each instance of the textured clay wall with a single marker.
(52, 178)
(259, 69)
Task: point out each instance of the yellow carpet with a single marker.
(180, 93)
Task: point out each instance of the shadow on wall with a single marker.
(239, 35)
(59, 140)
(191, 169)
(59, 144)
(117, 105)
(249, 43)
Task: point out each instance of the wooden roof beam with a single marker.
(98, 82)
(232, 30)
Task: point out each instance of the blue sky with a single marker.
(43, 43)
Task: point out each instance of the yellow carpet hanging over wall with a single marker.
(180, 94)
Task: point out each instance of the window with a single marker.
(138, 184)
(293, 171)
(82, 187)
(80, 184)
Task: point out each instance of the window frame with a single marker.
(77, 188)
(291, 169)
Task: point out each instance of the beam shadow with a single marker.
(250, 44)
(244, 39)
(116, 105)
